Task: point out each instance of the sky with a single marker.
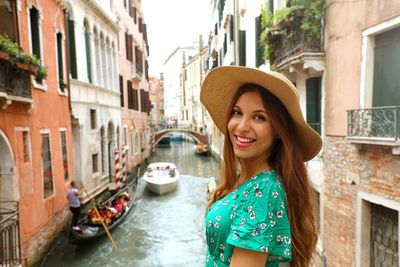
(172, 24)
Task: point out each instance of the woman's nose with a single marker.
(243, 124)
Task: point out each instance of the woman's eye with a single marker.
(235, 112)
(259, 117)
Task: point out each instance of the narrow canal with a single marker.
(166, 230)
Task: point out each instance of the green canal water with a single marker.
(165, 230)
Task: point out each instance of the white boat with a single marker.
(161, 177)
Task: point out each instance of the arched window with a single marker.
(88, 52)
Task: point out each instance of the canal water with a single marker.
(166, 230)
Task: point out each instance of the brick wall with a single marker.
(350, 168)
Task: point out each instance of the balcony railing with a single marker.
(377, 124)
(15, 81)
(10, 246)
(296, 45)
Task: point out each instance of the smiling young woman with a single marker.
(261, 213)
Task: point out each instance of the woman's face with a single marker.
(250, 129)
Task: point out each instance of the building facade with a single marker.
(193, 73)
(36, 148)
(157, 101)
(134, 82)
(361, 146)
(95, 97)
(173, 82)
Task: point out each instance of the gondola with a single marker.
(87, 231)
(202, 150)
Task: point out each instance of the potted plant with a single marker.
(15, 56)
(63, 85)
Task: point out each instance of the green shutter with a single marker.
(386, 85)
(313, 103)
(60, 57)
(242, 48)
(259, 47)
(88, 59)
(72, 49)
(35, 38)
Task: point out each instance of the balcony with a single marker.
(377, 125)
(298, 49)
(137, 76)
(15, 82)
(10, 246)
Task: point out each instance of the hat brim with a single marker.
(221, 83)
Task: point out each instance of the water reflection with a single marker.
(166, 230)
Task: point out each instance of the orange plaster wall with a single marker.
(50, 112)
(345, 23)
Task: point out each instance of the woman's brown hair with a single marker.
(287, 160)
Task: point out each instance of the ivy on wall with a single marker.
(299, 16)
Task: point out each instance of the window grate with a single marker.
(64, 155)
(25, 140)
(47, 168)
(384, 237)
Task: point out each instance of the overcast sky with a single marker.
(172, 24)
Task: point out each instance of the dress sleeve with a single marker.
(261, 223)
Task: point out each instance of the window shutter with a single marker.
(242, 48)
(134, 14)
(71, 48)
(259, 48)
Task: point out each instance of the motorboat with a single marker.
(161, 177)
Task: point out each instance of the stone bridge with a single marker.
(198, 137)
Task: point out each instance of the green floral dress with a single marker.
(254, 216)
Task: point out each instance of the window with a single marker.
(102, 148)
(126, 136)
(60, 61)
(88, 53)
(132, 142)
(46, 164)
(259, 48)
(161, 96)
(26, 145)
(8, 19)
(384, 250)
(121, 90)
(137, 143)
(386, 64)
(242, 49)
(161, 106)
(92, 119)
(128, 46)
(95, 167)
(71, 47)
(64, 154)
(313, 102)
(35, 34)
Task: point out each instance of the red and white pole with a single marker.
(123, 162)
(117, 169)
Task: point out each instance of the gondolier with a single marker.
(74, 203)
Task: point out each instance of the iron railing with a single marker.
(10, 246)
(293, 46)
(377, 123)
(14, 81)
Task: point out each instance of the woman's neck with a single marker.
(250, 167)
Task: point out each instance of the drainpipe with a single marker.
(67, 60)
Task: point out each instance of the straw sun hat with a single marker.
(221, 84)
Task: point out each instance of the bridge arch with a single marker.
(198, 137)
